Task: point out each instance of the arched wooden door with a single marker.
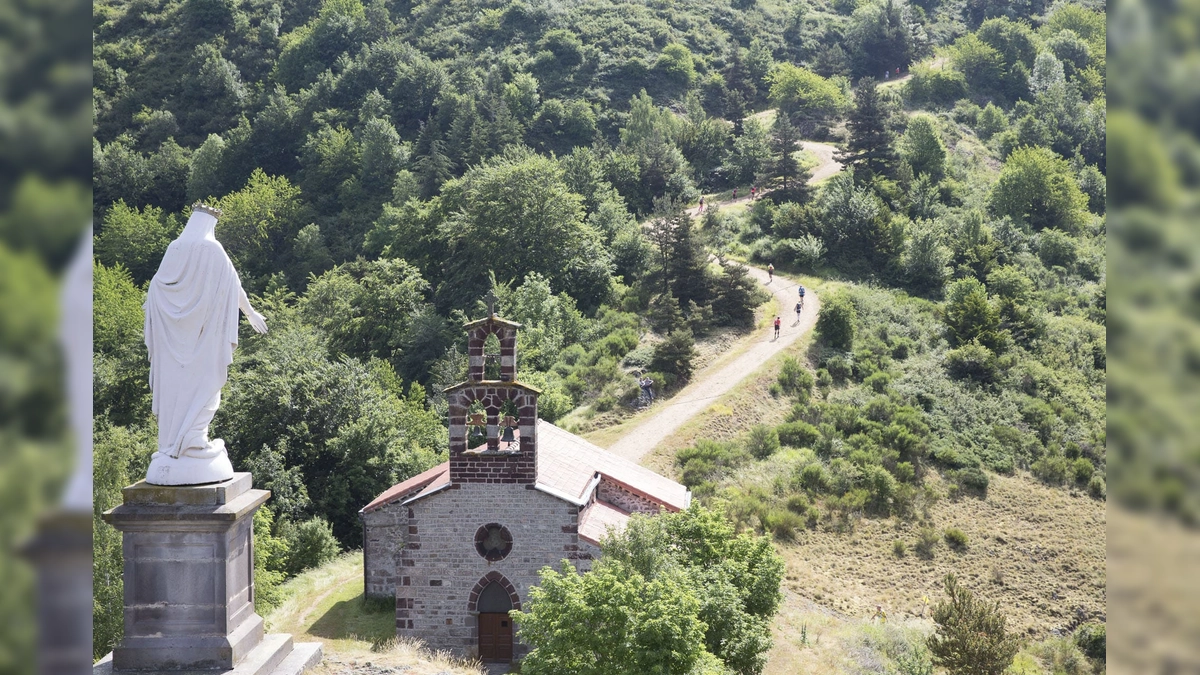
(495, 626)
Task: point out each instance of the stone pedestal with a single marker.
(189, 580)
(61, 551)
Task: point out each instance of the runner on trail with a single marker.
(753, 192)
(701, 203)
(735, 193)
(777, 322)
(801, 295)
(770, 273)
(799, 306)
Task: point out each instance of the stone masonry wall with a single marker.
(384, 532)
(441, 572)
(623, 498)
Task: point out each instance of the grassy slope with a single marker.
(326, 605)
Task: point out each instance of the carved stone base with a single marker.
(189, 470)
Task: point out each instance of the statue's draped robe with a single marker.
(191, 332)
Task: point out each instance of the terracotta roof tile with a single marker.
(431, 478)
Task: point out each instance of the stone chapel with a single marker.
(461, 544)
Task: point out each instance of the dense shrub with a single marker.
(794, 378)
(1082, 470)
(762, 441)
(814, 477)
(878, 382)
(310, 544)
(899, 549)
(706, 458)
(970, 478)
(974, 362)
(1091, 639)
(940, 86)
(797, 434)
(836, 324)
(1051, 468)
(955, 538)
(1097, 488)
(927, 540)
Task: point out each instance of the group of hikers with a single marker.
(799, 302)
(755, 193)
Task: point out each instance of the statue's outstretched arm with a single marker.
(257, 321)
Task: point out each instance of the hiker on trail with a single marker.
(735, 193)
(701, 203)
(753, 192)
(647, 385)
(897, 71)
(770, 273)
(777, 322)
(799, 306)
(880, 614)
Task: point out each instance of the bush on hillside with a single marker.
(762, 441)
(836, 324)
(798, 434)
(1082, 470)
(1092, 641)
(310, 544)
(927, 540)
(956, 538)
(795, 378)
(814, 477)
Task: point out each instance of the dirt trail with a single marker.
(826, 166)
(714, 383)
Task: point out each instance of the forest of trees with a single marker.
(381, 165)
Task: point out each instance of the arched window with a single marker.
(494, 598)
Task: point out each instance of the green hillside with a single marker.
(383, 165)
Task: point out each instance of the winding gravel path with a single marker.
(711, 384)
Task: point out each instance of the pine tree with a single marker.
(971, 636)
(870, 143)
(785, 139)
(433, 167)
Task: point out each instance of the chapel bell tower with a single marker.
(493, 422)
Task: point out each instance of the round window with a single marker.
(493, 542)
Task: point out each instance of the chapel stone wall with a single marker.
(441, 573)
(385, 531)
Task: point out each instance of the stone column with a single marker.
(189, 580)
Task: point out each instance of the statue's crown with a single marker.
(210, 210)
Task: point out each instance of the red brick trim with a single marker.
(483, 583)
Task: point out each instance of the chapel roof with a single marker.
(566, 467)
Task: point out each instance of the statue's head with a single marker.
(202, 222)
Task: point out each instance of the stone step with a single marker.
(304, 655)
(268, 658)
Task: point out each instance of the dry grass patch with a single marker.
(1039, 551)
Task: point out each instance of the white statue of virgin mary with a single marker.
(191, 332)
